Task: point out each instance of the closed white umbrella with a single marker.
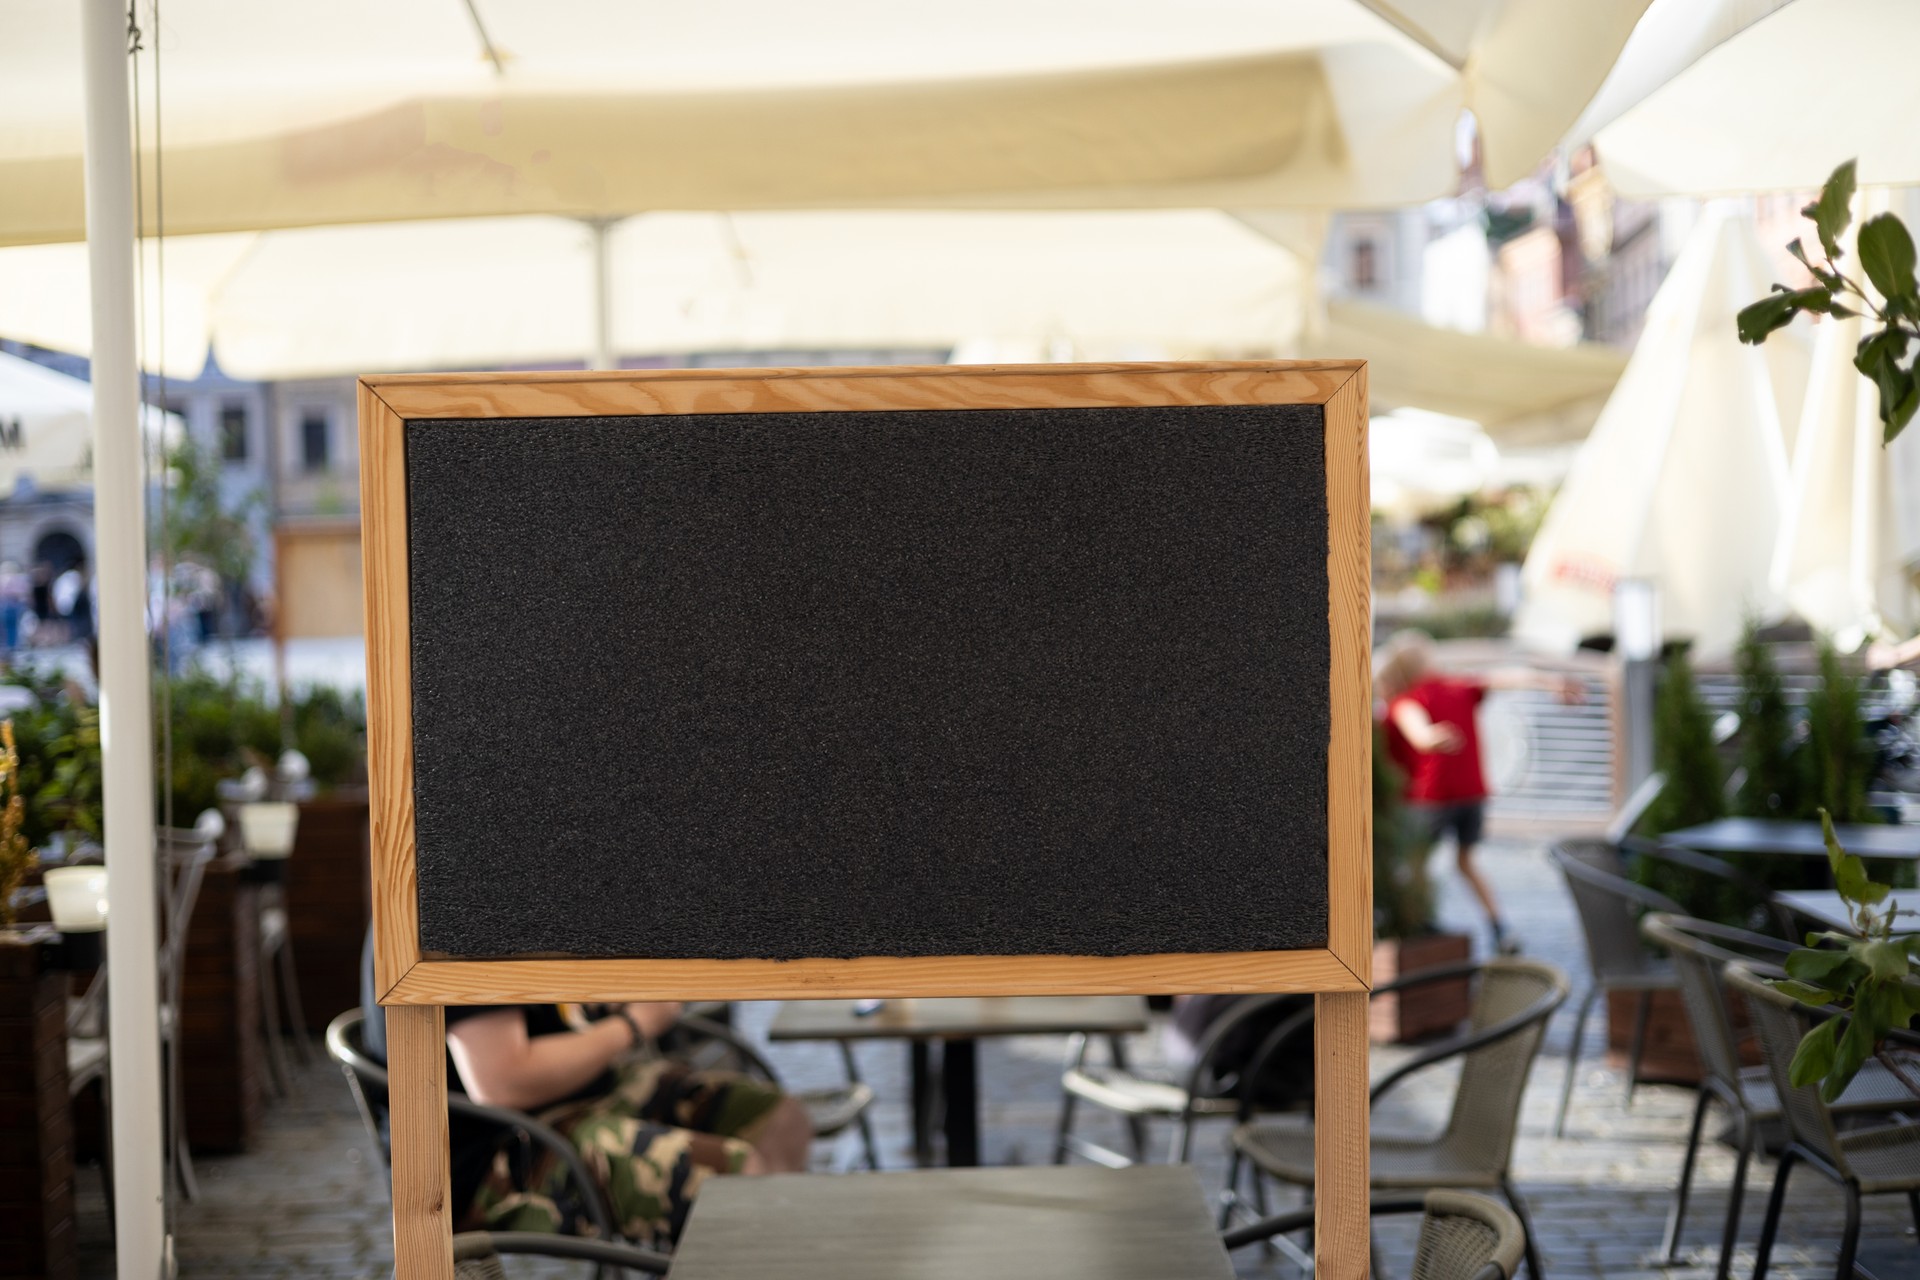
(366, 110)
(1684, 479)
(46, 427)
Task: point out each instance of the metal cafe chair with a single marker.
(1884, 1159)
(1609, 906)
(706, 1041)
(1204, 1090)
(1462, 1237)
(367, 1082)
(1701, 951)
(1512, 1002)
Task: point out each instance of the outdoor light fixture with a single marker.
(266, 830)
(77, 898)
(1636, 619)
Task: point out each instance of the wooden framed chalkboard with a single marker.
(820, 682)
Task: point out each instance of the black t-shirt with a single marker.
(472, 1142)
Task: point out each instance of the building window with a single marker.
(315, 440)
(1366, 270)
(233, 431)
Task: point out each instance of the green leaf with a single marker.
(1830, 970)
(1901, 414)
(1833, 211)
(1885, 958)
(1803, 992)
(1814, 1058)
(1850, 1054)
(1849, 873)
(1882, 348)
(1755, 322)
(1886, 252)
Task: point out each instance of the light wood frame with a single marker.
(415, 987)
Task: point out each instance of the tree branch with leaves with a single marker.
(1886, 253)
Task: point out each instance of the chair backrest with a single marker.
(1697, 962)
(1465, 1237)
(1493, 1077)
(366, 1078)
(1781, 1021)
(1609, 906)
(183, 857)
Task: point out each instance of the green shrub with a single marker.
(1775, 775)
(1402, 893)
(1839, 759)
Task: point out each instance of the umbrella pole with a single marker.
(602, 229)
(126, 716)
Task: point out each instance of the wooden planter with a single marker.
(1427, 1011)
(38, 1233)
(327, 902)
(1669, 1056)
(220, 1059)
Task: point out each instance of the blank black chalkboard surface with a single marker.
(824, 682)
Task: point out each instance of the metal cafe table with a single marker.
(1078, 1222)
(958, 1025)
(1796, 838)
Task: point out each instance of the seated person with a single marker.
(651, 1130)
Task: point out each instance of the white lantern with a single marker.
(77, 896)
(267, 828)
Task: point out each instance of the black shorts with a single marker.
(1464, 818)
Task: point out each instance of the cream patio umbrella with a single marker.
(500, 292)
(366, 110)
(46, 432)
(1684, 479)
(1721, 96)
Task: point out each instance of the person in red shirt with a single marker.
(1434, 738)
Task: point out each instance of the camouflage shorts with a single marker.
(650, 1143)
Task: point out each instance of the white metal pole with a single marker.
(602, 358)
(126, 724)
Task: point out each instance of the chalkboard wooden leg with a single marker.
(1340, 1220)
(417, 1074)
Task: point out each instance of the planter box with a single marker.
(38, 1232)
(1669, 1056)
(327, 898)
(1430, 1010)
(220, 1058)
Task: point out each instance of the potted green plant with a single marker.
(17, 858)
(1406, 938)
(1867, 974)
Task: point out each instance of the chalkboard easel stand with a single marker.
(416, 986)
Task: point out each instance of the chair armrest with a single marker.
(726, 1035)
(1281, 1224)
(1454, 1046)
(1246, 1008)
(1270, 1047)
(469, 1245)
(548, 1137)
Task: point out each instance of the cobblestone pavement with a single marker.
(311, 1201)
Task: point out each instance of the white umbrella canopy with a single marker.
(1724, 96)
(503, 292)
(46, 431)
(365, 110)
(1684, 479)
(1420, 462)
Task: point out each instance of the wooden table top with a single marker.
(1763, 835)
(1076, 1222)
(960, 1019)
